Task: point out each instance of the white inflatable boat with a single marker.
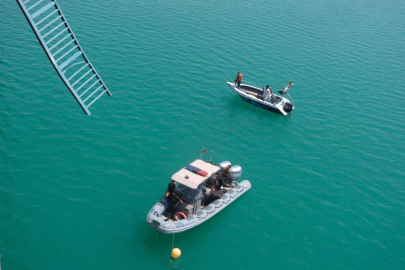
(201, 201)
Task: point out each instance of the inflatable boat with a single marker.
(199, 187)
(254, 95)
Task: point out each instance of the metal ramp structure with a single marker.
(64, 51)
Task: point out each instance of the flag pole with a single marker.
(202, 152)
(212, 151)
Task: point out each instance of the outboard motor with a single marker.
(288, 107)
(236, 172)
(224, 164)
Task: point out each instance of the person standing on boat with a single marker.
(173, 200)
(267, 93)
(172, 187)
(238, 79)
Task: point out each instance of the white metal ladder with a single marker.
(64, 51)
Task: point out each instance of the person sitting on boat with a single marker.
(226, 174)
(171, 188)
(173, 200)
(211, 181)
(219, 184)
(238, 79)
(284, 90)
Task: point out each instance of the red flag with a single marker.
(202, 152)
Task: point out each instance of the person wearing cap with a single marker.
(238, 79)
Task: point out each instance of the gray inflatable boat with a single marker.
(200, 199)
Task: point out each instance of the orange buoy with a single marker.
(176, 253)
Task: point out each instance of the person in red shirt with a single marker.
(238, 79)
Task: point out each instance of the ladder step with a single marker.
(26, 2)
(82, 94)
(95, 91)
(81, 86)
(42, 20)
(57, 35)
(67, 53)
(58, 51)
(82, 77)
(34, 5)
(74, 74)
(50, 32)
(73, 57)
(54, 20)
(94, 100)
(42, 10)
(70, 34)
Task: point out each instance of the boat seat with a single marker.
(189, 208)
(252, 94)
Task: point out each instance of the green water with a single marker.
(328, 183)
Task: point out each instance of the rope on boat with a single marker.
(291, 99)
(173, 242)
(173, 261)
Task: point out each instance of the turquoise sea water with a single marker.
(328, 183)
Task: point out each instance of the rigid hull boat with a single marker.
(200, 199)
(254, 95)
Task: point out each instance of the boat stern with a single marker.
(155, 214)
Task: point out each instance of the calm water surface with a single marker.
(328, 183)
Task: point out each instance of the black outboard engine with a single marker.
(288, 107)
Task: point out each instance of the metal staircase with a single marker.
(64, 51)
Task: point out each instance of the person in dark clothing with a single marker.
(218, 184)
(211, 181)
(173, 200)
(226, 174)
(172, 187)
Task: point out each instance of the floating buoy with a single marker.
(176, 253)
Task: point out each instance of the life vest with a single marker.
(240, 77)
